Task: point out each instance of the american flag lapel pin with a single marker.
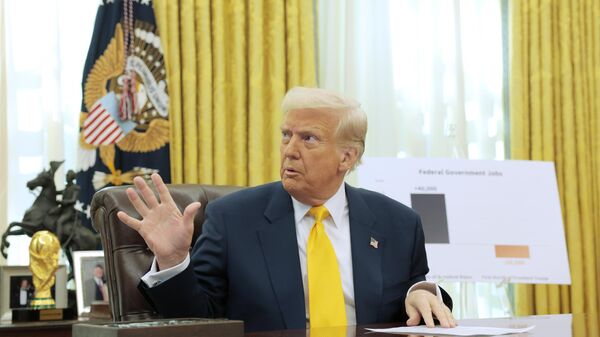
(374, 243)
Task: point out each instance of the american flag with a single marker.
(102, 127)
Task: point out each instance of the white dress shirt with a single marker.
(23, 296)
(337, 227)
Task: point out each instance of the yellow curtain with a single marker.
(229, 63)
(3, 136)
(555, 115)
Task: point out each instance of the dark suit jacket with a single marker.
(15, 302)
(92, 292)
(246, 266)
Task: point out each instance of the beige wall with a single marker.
(3, 136)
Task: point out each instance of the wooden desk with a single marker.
(38, 329)
(576, 325)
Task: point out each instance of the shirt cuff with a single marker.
(153, 277)
(432, 287)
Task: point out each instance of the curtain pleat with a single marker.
(204, 124)
(187, 52)
(554, 112)
(229, 64)
(3, 134)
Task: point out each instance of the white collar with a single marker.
(335, 205)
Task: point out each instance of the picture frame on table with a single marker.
(17, 289)
(90, 279)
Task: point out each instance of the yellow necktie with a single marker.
(325, 295)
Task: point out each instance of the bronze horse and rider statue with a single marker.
(57, 216)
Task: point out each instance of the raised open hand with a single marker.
(167, 232)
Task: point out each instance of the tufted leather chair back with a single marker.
(126, 255)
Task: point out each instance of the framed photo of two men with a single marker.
(17, 289)
(90, 279)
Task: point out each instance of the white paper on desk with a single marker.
(457, 331)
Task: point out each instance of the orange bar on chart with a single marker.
(512, 251)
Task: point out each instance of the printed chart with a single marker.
(484, 220)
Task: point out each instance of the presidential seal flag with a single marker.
(124, 122)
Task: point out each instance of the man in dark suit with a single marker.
(23, 294)
(95, 287)
(308, 250)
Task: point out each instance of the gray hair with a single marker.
(352, 129)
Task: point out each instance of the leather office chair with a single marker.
(126, 255)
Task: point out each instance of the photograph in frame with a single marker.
(21, 290)
(90, 279)
(17, 289)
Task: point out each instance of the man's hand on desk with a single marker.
(423, 304)
(167, 232)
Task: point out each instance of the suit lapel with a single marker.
(366, 258)
(280, 249)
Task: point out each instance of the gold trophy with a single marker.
(43, 263)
